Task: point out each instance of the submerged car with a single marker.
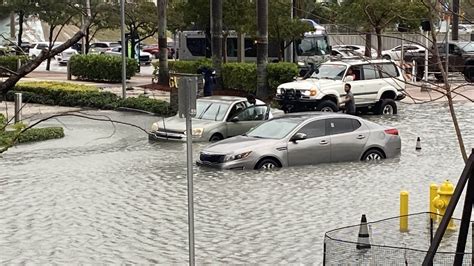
(217, 117)
(304, 139)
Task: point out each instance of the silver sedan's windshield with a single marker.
(274, 129)
(330, 71)
(208, 110)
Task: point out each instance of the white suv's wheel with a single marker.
(386, 107)
(327, 106)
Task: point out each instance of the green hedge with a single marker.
(98, 67)
(241, 76)
(11, 62)
(39, 134)
(84, 96)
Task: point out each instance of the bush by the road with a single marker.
(11, 62)
(241, 76)
(66, 94)
(99, 67)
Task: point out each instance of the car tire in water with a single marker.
(386, 57)
(327, 106)
(267, 164)
(439, 77)
(216, 137)
(469, 73)
(386, 107)
(373, 155)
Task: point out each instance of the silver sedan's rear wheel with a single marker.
(373, 155)
(267, 164)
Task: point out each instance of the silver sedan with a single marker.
(302, 139)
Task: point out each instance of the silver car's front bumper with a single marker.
(159, 135)
(230, 165)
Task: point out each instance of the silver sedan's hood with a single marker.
(176, 123)
(239, 143)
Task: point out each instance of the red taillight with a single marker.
(391, 131)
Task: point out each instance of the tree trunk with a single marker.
(240, 47)
(50, 46)
(262, 48)
(216, 39)
(368, 44)
(88, 41)
(224, 47)
(163, 73)
(378, 31)
(9, 83)
(21, 17)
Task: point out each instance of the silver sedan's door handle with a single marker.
(323, 142)
(361, 137)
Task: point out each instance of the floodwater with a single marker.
(106, 195)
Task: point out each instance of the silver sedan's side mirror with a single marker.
(298, 136)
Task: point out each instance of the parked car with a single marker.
(461, 59)
(376, 85)
(37, 47)
(217, 118)
(144, 58)
(344, 53)
(64, 57)
(360, 49)
(304, 139)
(396, 52)
(155, 51)
(102, 47)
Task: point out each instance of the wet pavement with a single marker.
(104, 194)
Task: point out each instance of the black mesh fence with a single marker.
(389, 246)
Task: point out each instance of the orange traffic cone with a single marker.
(418, 144)
(363, 242)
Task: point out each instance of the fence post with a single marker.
(18, 104)
(69, 76)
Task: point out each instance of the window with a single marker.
(387, 70)
(314, 129)
(370, 72)
(237, 108)
(232, 47)
(197, 46)
(356, 124)
(253, 113)
(274, 129)
(340, 125)
(211, 110)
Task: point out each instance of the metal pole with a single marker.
(447, 45)
(18, 103)
(289, 49)
(426, 56)
(189, 157)
(262, 48)
(455, 20)
(124, 58)
(401, 55)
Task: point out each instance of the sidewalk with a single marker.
(418, 95)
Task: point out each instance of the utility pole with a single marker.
(124, 47)
(290, 48)
(262, 48)
(216, 37)
(163, 72)
(455, 35)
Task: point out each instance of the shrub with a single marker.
(240, 76)
(279, 73)
(11, 62)
(84, 96)
(53, 85)
(39, 134)
(190, 67)
(98, 67)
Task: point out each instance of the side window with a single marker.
(253, 113)
(357, 72)
(314, 129)
(370, 72)
(237, 108)
(387, 70)
(93, 45)
(340, 125)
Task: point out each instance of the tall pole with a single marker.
(455, 20)
(262, 48)
(426, 56)
(216, 37)
(163, 72)
(124, 47)
(290, 48)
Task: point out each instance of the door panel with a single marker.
(348, 139)
(313, 150)
(246, 119)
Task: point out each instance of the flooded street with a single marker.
(104, 197)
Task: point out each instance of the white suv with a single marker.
(376, 85)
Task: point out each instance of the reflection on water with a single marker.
(95, 198)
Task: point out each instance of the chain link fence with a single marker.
(389, 246)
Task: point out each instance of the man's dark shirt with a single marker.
(350, 103)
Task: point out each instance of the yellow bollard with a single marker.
(440, 202)
(433, 194)
(404, 211)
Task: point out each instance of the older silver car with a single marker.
(302, 139)
(217, 117)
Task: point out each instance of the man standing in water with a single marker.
(348, 101)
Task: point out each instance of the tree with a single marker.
(141, 19)
(57, 13)
(164, 74)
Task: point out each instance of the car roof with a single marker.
(229, 99)
(355, 61)
(319, 115)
